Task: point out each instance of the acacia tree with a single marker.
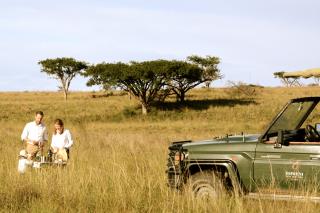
(64, 70)
(183, 77)
(209, 64)
(141, 79)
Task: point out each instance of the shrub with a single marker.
(243, 90)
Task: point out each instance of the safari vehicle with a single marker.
(285, 156)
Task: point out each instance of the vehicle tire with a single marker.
(206, 185)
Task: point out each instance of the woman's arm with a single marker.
(69, 137)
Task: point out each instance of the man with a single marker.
(34, 135)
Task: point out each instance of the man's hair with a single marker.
(39, 113)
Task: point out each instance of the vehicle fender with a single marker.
(227, 164)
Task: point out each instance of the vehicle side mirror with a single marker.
(279, 140)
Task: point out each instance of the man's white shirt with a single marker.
(34, 132)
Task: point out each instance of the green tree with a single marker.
(209, 64)
(141, 79)
(183, 77)
(64, 70)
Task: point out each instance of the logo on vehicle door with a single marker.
(295, 166)
(295, 174)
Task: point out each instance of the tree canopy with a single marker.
(62, 69)
(183, 77)
(148, 80)
(209, 64)
(142, 79)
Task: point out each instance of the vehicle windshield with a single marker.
(293, 116)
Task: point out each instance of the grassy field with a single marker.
(119, 158)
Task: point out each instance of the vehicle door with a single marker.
(293, 165)
(290, 161)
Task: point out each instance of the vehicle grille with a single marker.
(175, 169)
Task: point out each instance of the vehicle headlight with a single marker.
(178, 157)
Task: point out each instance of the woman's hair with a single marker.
(60, 123)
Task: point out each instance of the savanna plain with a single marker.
(119, 158)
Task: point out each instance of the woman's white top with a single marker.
(63, 140)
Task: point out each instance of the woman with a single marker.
(61, 141)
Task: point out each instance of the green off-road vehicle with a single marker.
(279, 161)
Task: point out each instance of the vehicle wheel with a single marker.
(206, 185)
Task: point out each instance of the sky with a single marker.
(253, 38)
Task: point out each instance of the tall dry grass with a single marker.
(118, 161)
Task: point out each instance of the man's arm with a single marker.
(25, 133)
(45, 135)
